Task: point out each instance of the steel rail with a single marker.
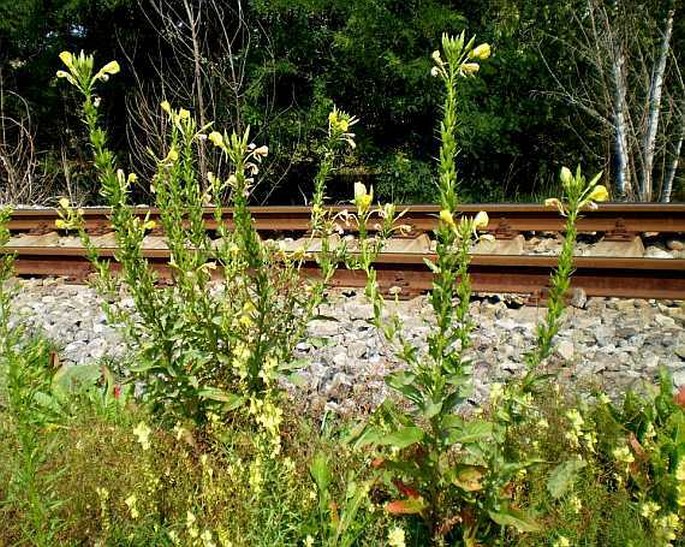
(597, 276)
(504, 218)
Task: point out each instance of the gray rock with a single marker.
(679, 378)
(680, 351)
(565, 350)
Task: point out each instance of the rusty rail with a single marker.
(527, 274)
(609, 217)
(597, 276)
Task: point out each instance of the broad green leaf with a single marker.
(69, 377)
(508, 516)
(402, 438)
(471, 432)
(231, 400)
(563, 476)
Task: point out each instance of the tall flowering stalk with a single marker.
(203, 351)
(578, 194)
(427, 435)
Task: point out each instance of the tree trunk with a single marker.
(672, 168)
(193, 23)
(656, 87)
(623, 183)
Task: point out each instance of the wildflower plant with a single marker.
(451, 470)
(439, 462)
(205, 350)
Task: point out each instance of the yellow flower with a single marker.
(481, 221)
(166, 106)
(470, 68)
(110, 68)
(309, 541)
(447, 218)
(649, 509)
(67, 58)
(61, 224)
(183, 114)
(623, 454)
(67, 76)
(172, 155)
(216, 138)
(131, 504)
(206, 538)
(362, 198)
(64, 203)
(576, 504)
(142, 431)
(396, 537)
(481, 52)
(599, 193)
(562, 541)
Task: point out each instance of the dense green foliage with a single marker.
(279, 66)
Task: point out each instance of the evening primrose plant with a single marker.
(205, 349)
(452, 471)
(441, 464)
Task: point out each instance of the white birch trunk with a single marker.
(623, 183)
(672, 169)
(656, 87)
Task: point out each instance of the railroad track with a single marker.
(617, 269)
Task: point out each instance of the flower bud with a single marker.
(446, 217)
(435, 72)
(566, 176)
(481, 52)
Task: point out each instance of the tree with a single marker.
(622, 74)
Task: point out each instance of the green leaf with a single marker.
(508, 516)
(320, 472)
(563, 476)
(69, 377)
(231, 400)
(402, 438)
(471, 432)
